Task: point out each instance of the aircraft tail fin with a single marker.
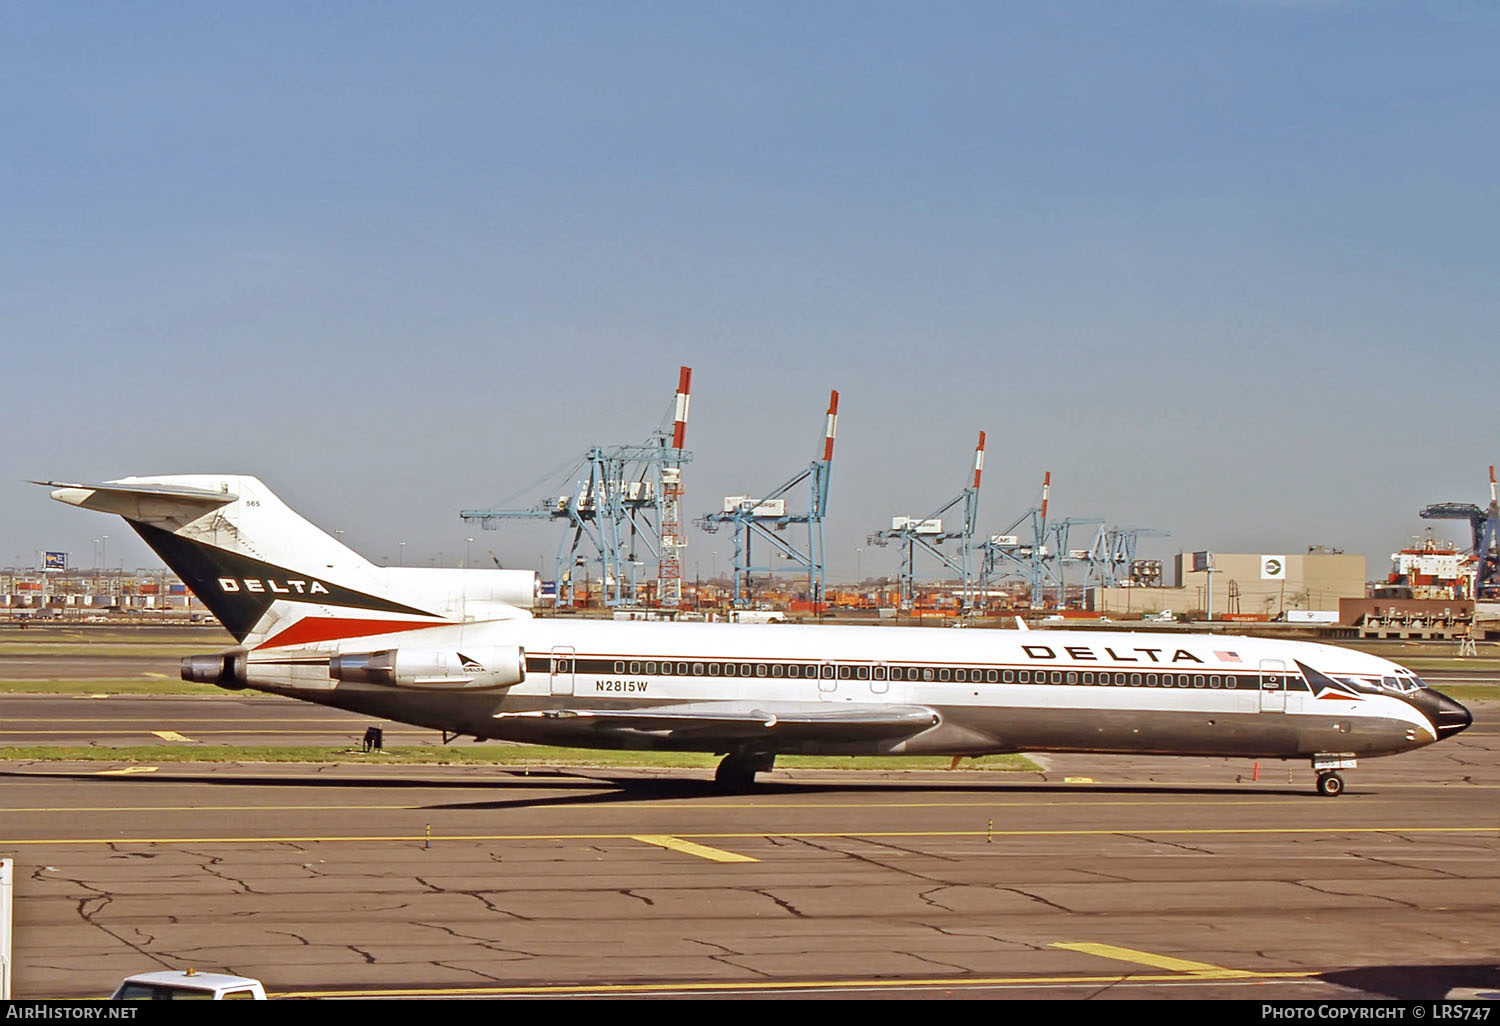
(272, 577)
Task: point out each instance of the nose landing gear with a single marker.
(1330, 785)
(1326, 766)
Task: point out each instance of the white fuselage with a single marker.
(991, 690)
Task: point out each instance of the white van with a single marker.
(187, 984)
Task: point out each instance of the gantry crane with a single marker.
(926, 534)
(1484, 530)
(766, 517)
(619, 497)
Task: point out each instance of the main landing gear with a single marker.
(736, 772)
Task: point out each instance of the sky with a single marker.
(1226, 269)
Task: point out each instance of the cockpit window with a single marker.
(1402, 682)
(1405, 682)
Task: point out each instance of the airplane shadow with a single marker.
(606, 787)
(680, 789)
(1418, 982)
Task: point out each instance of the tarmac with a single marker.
(1096, 877)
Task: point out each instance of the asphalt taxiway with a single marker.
(1158, 878)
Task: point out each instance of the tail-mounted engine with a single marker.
(226, 669)
(485, 667)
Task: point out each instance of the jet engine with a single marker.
(485, 667)
(226, 669)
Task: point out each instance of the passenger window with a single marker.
(1009, 676)
(619, 666)
(777, 670)
(698, 669)
(927, 674)
(991, 676)
(862, 673)
(760, 669)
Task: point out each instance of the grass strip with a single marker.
(105, 686)
(1470, 692)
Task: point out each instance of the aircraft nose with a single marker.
(1448, 717)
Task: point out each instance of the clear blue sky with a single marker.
(1224, 268)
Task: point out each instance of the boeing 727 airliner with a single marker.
(459, 651)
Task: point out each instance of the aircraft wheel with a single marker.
(1330, 785)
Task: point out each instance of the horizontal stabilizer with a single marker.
(132, 500)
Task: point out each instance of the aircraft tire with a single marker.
(1330, 785)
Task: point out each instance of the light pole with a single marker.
(403, 553)
(467, 543)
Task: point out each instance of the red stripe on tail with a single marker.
(313, 629)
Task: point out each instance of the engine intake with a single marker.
(432, 668)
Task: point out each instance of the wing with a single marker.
(741, 721)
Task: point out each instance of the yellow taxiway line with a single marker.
(127, 771)
(1133, 832)
(703, 851)
(646, 989)
(1178, 965)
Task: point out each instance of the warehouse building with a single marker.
(1247, 586)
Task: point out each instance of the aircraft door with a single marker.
(562, 670)
(1272, 686)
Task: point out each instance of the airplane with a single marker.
(459, 650)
